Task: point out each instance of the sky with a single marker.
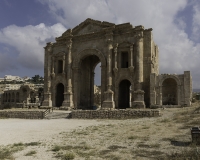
(27, 25)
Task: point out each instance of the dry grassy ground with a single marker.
(165, 137)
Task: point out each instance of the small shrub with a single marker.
(18, 144)
(30, 153)
(56, 148)
(68, 156)
(132, 137)
(33, 144)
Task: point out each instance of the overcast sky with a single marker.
(27, 25)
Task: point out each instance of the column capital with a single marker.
(139, 35)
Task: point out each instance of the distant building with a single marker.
(26, 93)
(12, 78)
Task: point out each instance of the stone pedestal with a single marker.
(108, 103)
(153, 98)
(68, 102)
(138, 99)
(47, 101)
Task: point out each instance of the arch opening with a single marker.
(86, 84)
(124, 94)
(59, 94)
(169, 92)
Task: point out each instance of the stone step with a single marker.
(58, 115)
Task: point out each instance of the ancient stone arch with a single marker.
(87, 52)
(170, 76)
(126, 52)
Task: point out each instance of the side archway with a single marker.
(59, 94)
(124, 98)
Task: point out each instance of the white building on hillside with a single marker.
(12, 78)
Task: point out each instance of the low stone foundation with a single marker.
(22, 114)
(114, 114)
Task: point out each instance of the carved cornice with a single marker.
(138, 35)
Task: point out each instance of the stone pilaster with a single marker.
(108, 102)
(47, 76)
(139, 93)
(115, 69)
(53, 67)
(131, 67)
(68, 95)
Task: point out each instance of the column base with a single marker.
(45, 107)
(65, 108)
(138, 104)
(47, 100)
(108, 103)
(68, 102)
(138, 99)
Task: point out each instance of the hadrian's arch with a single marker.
(128, 57)
(84, 65)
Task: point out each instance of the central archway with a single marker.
(124, 94)
(59, 94)
(86, 78)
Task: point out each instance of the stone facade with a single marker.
(128, 57)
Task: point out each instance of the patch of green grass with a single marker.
(155, 145)
(18, 144)
(68, 156)
(33, 144)
(164, 120)
(30, 153)
(132, 137)
(56, 148)
(115, 147)
(145, 127)
(189, 154)
(6, 152)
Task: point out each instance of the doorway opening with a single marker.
(59, 94)
(124, 94)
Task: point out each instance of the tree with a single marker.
(37, 79)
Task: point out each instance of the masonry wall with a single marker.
(22, 114)
(114, 114)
